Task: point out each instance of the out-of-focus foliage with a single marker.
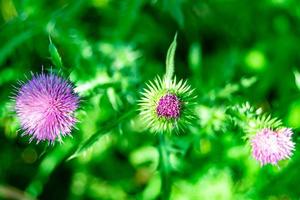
(230, 51)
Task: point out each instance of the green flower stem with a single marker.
(164, 168)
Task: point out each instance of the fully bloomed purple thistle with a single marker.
(272, 146)
(45, 106)
(168, 106)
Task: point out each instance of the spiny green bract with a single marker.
(154, 92)
(253, 120)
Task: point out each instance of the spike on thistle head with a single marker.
(45, 106)
(167, 105)
(269, 147)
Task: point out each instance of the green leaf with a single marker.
(55, 57)
(114, 99)
(297, 79)
(106, 128)
(195, 57)
(170, 59)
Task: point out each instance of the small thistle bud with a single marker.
(272, 146)
(167, 105)
(45, 106)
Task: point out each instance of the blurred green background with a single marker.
(229, 50)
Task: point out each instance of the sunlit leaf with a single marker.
(55, 57)
(170, 59)
(106, 128)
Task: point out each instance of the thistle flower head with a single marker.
(270, 146)
(167, 105)
(45, 106)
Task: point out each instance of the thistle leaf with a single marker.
(55, 57)
(106, 128)
(170, 59)
(297, 78)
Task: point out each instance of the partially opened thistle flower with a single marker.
(45, 106)
(167, 105)
(270, 141)
(270, 146)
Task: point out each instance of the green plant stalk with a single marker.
(164, 168)
(163, 152)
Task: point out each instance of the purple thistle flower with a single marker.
(168, 106)
(270, 147)
(45, 106)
